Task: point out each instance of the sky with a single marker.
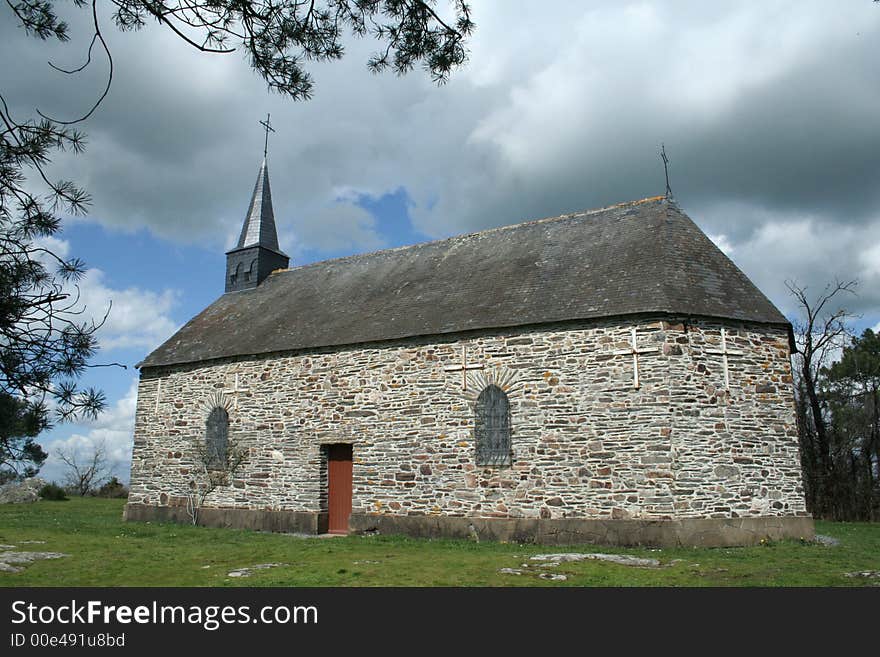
(769, 112)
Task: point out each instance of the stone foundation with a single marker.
(691, 532)
(698, 532)
(298, 522)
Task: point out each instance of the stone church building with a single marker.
(607, 376)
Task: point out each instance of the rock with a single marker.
(21, 492)
(28, 557)
(553, 576)
(726, 471)
(19, 558)
(621, 559)
(830, 541)
(510, 571)
(247, 572)
(870, 574)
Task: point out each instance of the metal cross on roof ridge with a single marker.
(268, 126)
(665, 169)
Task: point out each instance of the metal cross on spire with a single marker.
(269, 128)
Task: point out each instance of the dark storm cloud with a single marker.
(807, 142)
(768, 111)
(782, 115)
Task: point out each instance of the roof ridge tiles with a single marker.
(466, 236)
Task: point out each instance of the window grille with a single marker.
(492, 427)
(217, 437)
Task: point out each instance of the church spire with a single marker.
(259, 224)
(257, 254)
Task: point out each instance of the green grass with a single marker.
(105, 551)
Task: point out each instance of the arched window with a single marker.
(236, 275)
(217, 437)
(252, 271)
(492, 427)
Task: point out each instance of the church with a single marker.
(606, 376)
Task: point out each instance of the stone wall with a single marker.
(586, 443)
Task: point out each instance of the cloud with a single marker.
(723, 243)
(59, 247)
(811, 252)
(768, 115)
(869, 259)
(113, 431)
(340, 226)
(137, 317)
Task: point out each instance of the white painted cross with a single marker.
(463, 368)
(724, 352)
(237, 389)
(634, 351)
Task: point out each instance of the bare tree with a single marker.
(212, 468)
(822, 331)
(85, 472)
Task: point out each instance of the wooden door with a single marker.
(338, 488)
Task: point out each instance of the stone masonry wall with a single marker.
(586, 442)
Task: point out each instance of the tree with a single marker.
(851, 387)
(212, 468)
(84, 473)
(20, 456)
(45, 346)
(818, 335)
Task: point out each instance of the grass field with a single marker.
(105, 551)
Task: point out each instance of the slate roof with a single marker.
(259, 224)
(633, 258)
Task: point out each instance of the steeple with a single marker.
(259, 224)
(257, 254)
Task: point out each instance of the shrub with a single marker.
(113, 488)
(53, 492)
